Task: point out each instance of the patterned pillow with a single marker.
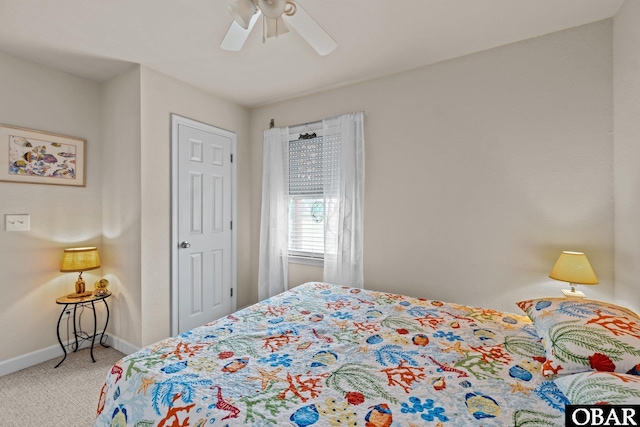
(585, 335)
(598, 388)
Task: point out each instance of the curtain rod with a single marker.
(272, 123)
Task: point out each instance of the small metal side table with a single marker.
(79, 335)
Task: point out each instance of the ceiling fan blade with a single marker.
(311, 31)
(236, 35)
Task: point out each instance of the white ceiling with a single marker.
(98, 39)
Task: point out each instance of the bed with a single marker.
(322, 355)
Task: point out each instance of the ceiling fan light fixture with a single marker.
(272, 8)
(242, 11)
(247, 12)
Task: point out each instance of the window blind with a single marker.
(305, 166)
(306, 226)
(306, 205)
(306, 200)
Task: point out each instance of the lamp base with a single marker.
(573, 293)
(79, 295)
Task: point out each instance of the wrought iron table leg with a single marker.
(95, 328)
(60, 339)
(106, 322)
(75, 331)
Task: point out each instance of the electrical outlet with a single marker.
(66, 314)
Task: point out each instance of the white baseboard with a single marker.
(121, 345)
(39, 356)
(29, 359)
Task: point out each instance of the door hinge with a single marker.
(232, 158)
(231, 224)
(231, 291)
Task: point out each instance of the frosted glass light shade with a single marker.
(80, 259)
(573, 267)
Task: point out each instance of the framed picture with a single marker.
(36, 157)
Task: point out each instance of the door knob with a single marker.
(185, 244)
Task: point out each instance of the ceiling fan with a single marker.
(274, 14)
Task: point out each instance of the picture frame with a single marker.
(37, 157)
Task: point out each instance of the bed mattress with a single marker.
(326, 355)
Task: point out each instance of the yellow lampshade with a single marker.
(573, 267)
(80, 259)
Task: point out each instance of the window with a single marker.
(306, 200)
(315, 182)
(306, 226)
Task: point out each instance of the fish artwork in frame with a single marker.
(32, 156)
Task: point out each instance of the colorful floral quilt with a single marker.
(326, 355)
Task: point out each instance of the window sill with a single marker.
(306, 260)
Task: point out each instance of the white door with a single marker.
(203, 244)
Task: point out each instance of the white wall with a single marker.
(161, 96)
(37, 97)
(121, 206)
(479, 170)
(626, 51)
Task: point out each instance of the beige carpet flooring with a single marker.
(41, 396)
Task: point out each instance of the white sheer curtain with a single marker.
(343, 186)
(274, 223)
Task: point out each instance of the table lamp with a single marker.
(573, 267)
(80, 259)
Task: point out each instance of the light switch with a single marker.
(17, 222)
